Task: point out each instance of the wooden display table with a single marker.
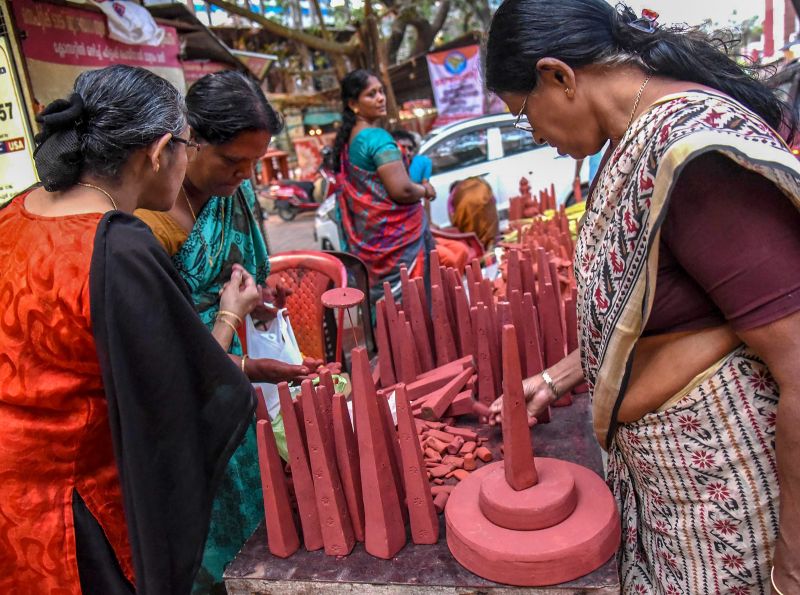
(422, 569)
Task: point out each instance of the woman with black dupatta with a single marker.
(119, 409)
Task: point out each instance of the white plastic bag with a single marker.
(130, 23)
(277, 342)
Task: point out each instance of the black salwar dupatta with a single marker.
(178, 406)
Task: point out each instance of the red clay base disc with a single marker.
(342, 297)
(547, 503)
(583, 542)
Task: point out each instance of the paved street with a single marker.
(294, 235)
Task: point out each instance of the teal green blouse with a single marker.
(373, 147)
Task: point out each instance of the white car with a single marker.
(488, 147)
(491, 148)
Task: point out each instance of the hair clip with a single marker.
(647, 23)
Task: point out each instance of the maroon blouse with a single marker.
(729, 251)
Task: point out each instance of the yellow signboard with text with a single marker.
(17, 171)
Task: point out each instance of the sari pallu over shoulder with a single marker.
(616, 257)
(226, 232)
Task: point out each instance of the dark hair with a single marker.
(400, 134)
(225, 104)
(112, 112)
(583, 32)
(352, 86)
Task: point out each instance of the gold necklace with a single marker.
(636, 101)
(93, 187)
(202, 239)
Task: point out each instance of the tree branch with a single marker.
(311, 41)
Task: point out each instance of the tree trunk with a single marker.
(379, 48)
(484, 12)
(426, 32)
(336, 59)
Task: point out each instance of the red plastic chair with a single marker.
(309, 274)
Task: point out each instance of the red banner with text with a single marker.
(60, 42)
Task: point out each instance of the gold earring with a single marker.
(158, 166)
(355, 111)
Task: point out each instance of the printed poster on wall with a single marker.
(16, 151)
(60, 42)
(457, 86)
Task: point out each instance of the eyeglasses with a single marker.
(192, 147)
(521, 124)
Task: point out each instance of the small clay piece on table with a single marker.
(281, 530)
(347, 460)
(484, 454)
(301, 472)
(422, 515)
(468, 448)
(436, 444)
(337, 530)
(451, 368)
(465, 433)
(462, 404)
(440, 501)
(385, 533)
(427, 384)
(441, 470)
(455, 445)
(436, 404)
(470, 464)
(460, 474)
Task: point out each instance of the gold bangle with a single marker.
(244, 359)
(772, 580)
(238, 319)
(228, 322)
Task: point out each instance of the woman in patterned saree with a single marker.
(210, 232)
(688, 272)
(380, 209)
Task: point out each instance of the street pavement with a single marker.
(291, 235)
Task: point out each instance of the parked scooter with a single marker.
(292, 196)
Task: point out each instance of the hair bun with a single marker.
(62, 113)
(58, 154)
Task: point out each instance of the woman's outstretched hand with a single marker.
(538, 397)
(275, 371)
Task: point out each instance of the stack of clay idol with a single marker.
(351, 482)
(525, 206)
(448, 352)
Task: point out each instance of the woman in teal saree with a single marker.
(212, 230)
